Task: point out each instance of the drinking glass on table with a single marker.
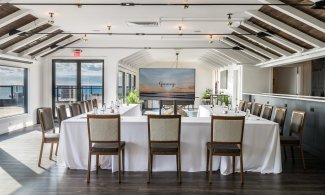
(95, 110)
(248, 112)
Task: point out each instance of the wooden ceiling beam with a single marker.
(30, 39)
(296, 14)
(272, 37)
(25, 28)
(13, 17)
(253, 47)
(286, 28)
(43, 44)
(262, 42)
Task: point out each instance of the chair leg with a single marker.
(292, 155)
(302, 156)
(123, 160)
(177, 167)
(97, 159)
(233, 164)
(56, 150)
(89, 165)
(180, 167)
(210, 161)
(149, 164)
(51, 151)
(40, 154)
(207, 165)
(119, 166)
(285, 153)
(241, 169)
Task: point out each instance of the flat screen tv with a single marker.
(167, 84)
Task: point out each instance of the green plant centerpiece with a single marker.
(133, 97)
(207, 93)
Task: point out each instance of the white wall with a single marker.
(204, 76)
(34, 98)
(256, 80)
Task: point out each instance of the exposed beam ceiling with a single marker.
(13, 17)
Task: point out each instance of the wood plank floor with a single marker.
(19, 174)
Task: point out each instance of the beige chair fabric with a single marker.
(267, 112)
(227, 130)
(94, 101)
(279, 117)
(241, 105)
(164, 129)
(103, 129)
(74, 109)
(82, 107)
(257, 109)
(248, 105)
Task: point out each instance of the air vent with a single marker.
(143, 24)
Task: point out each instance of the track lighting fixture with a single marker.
(109, 30)
(85, 38)
(180, 30)
(51, 19)
(78, 3)
(211, 39)
(229, 19)
(186, 5)
(319, 5)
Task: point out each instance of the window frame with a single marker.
(25, 92)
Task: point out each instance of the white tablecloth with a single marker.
(261, 146)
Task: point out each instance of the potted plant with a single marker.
(133, 97)
(207, 93)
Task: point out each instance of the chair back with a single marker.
(280, 116)
(267, 112)
(257, 109)
(241, 105)
(94, 101)
(89, 106)
(227, 129)
(74, 109)
(82, 107)
(248, 105)
(103, 128)
(62, 114)
(297, 122)
(164, 128)
(46, 120)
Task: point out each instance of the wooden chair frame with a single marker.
(211, 153)
(177, 153)
(120, 152)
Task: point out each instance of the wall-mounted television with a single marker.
(167, 84)
(224, 79)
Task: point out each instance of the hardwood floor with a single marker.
(19, 174)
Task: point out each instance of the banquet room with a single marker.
(162, 97)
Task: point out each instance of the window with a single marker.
(120, 90)
(13, 91)
(126, 82)
(133, 78)
(76, 80)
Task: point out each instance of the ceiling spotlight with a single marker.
(85, 38)
(51, 19)
(229, 19)
(109, 30)
(78, 3)
(211, 39)
(186, 5)
(180, 30)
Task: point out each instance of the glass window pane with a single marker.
(12, 91)
(66, 83)
(127, 83)
(92, 81)
(120, 84)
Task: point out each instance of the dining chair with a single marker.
(74, 109)
(48, 131)
(267, 112)
(248, 105)
(164, 139)
(241, 105)
(62, 115)
(226, 140)
(82, 107)
(104, 133)
(295, 134)
(94, 101)
(279, 117)
(89, 106)
(257, 109)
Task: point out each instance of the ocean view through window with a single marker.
(13, 91)
(77, 80)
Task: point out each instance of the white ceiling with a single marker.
(195, 19)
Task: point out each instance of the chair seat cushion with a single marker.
(164, 147)
(289, 140)
(107, 147)
(52, 137)
(224, 148)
